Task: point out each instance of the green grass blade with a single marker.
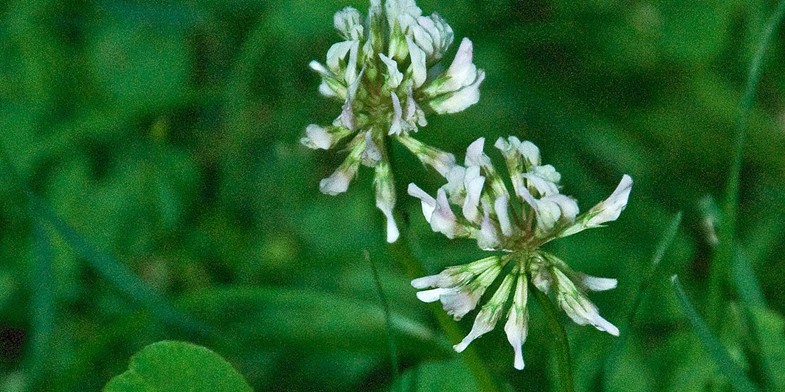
(402, 251)
(106, 265)
(42, 307)
(655, 270)
(119, 275)
(745, 282)
(387, 319)
(724, 254)
(260, 318)
(560, 342)
(738, 379)
(753, 304)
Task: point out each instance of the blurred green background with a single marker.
(165, 133)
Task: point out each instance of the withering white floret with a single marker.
(418, 68)
(347, 21)
(443, 220)
(317, 137)
(530, 153)
(488, 236)
(594, 283)
(473, 183)
(394, 76)
(501, 205)
(339, 181)
(459, 100)
(433, 35)
(609, 209)
(385, 198)
(578, 307)
(517, 326)
(489, 315)
(428, 202)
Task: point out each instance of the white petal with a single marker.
(421, 36)
(411, 106)
(429, 296)
(319, 68)
(428, 202)
(455, 184)
(459, 100)
(385, 196)
(480, 327)
(336, 53)
(419, 71)
(457, 303)
(489, 315)
(392, 228)
(567, 205)
(488, 236)
(516, 330)
(578, 307)
(326, 90)
(338, 182)
(441, 35)
(542, 280)
(594, 283)
(395, 8)
(530, 153)
(347, 115)
(371, 155)
(473, 192)
(319, 136)
(443, 219)
(516, 327)
(547, 172)
(351, 66)
(426, 281)
(501, 206)
(395, 126)
(609, 209)
(348, 22)
(462, 71)
(543, 186)
(548, 214)
(395, 76)
(583, 312)
(474, 153)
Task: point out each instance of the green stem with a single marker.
(560, 342)
(722, 359)
(654, 273)
(401, 251)
(723, 256)
(387, 319)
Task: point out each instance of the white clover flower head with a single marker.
(386, 72)
(517, 223)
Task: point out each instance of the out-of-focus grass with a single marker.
(165, 134)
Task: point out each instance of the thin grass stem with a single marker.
(655, 271)
(735, 375)
(396, 373)
(725, 252)
(560, 342)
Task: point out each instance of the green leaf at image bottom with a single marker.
(177, 367)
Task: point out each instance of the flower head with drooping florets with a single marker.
(387, 72)
(517, 223)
